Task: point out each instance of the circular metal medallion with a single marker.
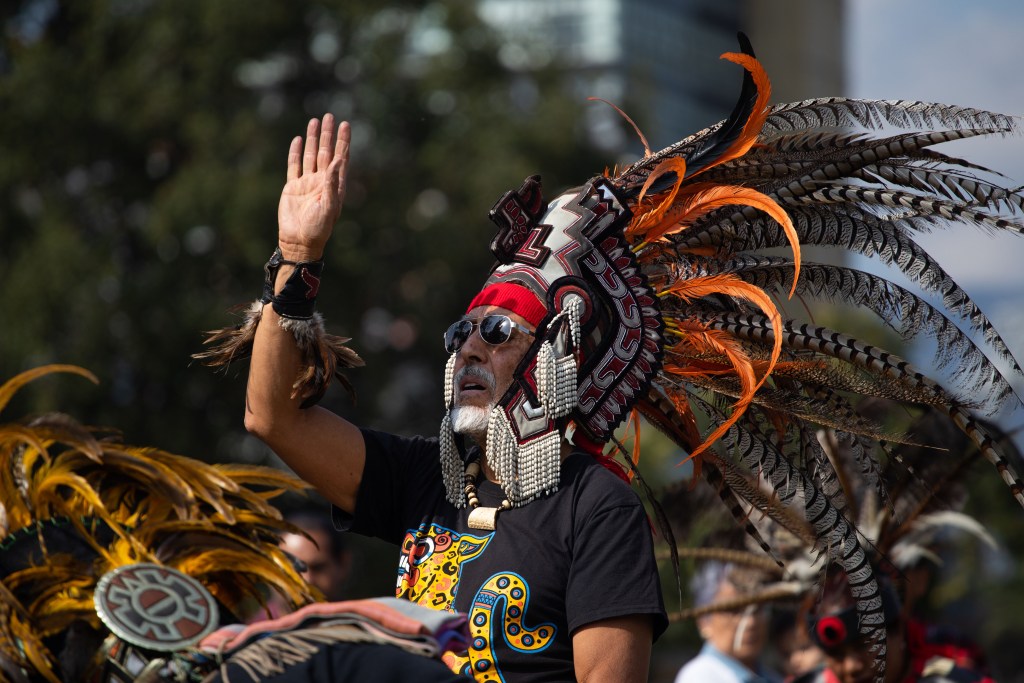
(154, 607)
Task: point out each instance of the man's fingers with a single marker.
(323, 155)
(344, 139)
(315, 155)
(335, 181)
(295, 158)
(341, 148)
(312, 143)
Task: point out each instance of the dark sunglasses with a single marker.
(494, 329)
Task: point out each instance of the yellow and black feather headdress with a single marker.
(76, 505)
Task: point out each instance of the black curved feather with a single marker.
(699, 150)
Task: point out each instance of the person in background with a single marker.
(325, 558)
(734, 639)
(320, 555)
(795, 651)
(850, 658)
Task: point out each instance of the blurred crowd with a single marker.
(819, 639)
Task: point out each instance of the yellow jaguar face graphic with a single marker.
(431, 563)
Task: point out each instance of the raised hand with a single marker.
(313, 194)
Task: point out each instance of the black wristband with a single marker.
(297, 299)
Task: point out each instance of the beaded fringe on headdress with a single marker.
(451, 462)
(528, 470)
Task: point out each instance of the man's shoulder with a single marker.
(595, 482)
(397, 459)
(387, 441)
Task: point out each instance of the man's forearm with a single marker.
(614, 650)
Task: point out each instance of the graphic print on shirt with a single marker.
(431, 564)
(497, 612)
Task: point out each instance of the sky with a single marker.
(960, 52)
(967, 52)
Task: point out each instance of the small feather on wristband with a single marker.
(324, 355)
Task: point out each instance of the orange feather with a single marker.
(754, 124)
(706, 198)
(734, 287)
(645, 221)
(636, 128)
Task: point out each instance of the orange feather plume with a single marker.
(748, 136)
(674, 215)
(723, 343)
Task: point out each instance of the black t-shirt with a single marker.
(579, 555)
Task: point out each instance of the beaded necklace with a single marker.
(480, 517)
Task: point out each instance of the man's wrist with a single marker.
(296, 297)
(299, 253)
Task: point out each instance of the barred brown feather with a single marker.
(856, 176)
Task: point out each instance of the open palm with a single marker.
(313, 194)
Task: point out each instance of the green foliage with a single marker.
(144, 147)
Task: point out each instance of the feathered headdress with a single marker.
(902, 510)
(86, 523)
(701, 533)
(660, 291)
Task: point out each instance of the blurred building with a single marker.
(658, 59)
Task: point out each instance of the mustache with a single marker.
(476, 372)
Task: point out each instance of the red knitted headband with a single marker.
(513, 297)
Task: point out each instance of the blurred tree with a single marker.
(144, 147)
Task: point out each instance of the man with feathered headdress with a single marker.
(548, 552)
(654, 291)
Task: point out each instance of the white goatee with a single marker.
(472, 420)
